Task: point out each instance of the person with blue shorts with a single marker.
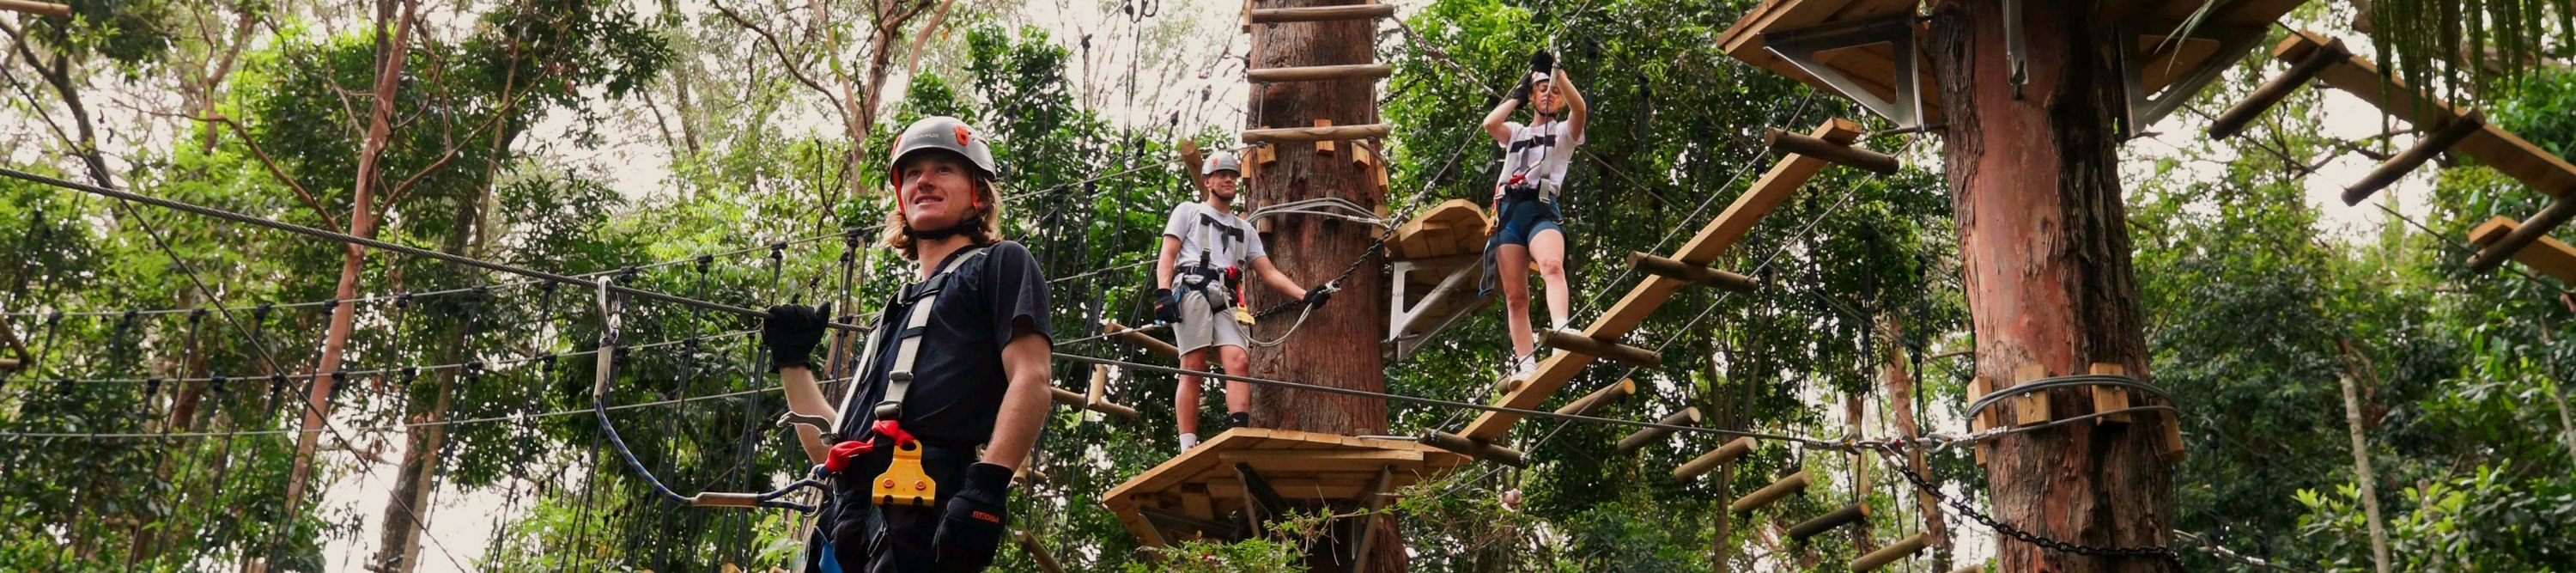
(1526, 230)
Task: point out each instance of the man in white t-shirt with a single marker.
(1199, 284)
(1535, 157)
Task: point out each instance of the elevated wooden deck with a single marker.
(1205, 486)
(1453, 227)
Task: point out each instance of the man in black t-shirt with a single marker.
(951, 389)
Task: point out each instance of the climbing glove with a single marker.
(1315, 297)
(1542, 62)
(1167, 307)
(791, 332)
(970, 531)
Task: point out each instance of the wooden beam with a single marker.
(2029, 408)
(1322, 13)
(1373, 500)
(1314, 134)
(1689, 273)
(1707, 462)
(1643, 436)
(2110, 398)
(1320, 73)
(1037, 552)
(1066, 397)
(1292, 488)
(1848, 515)
(1598, 398)
(1191, 160)
(1892, 553)
(37, 8)
(2547, 255)
(8, 364)
(1793, 483)
(1787, 143)
(2441, 139)
(1475, 448)
(2235, 119)
(2492, 255)
(2502, 150)
(1576, 342)
(1713, 239)
(1139, 339)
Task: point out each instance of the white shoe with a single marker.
(1525, 367)
(1189, 441)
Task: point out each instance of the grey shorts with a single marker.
(1204, 325)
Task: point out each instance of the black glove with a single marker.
(1543, 62)
(970, 532)
(791, 333)
(1167, 306)
(1315, 297)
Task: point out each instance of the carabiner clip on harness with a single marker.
(904, 482)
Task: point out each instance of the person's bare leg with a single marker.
(1185, 400)
(1549, 249)
(1513, 262)
(1238, 395)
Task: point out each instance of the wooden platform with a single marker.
(1303, 467)
(2549, 256)
(1453, 227)
(2491, 145)
(1766, 194)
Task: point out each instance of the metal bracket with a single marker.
(1904, 106)
(2145, 108)
(1412, 323)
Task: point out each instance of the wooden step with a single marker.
(1576, 342)
(1314, 134)
(2441, 139)
(1598, 398)
(2549, 256)
(1139, 339)
(37, 8)
(1707, 462)
(1320, 73)
(2236, 118)
(1687, 417)
(1783, 143)
(1848, 515)
(1892, 553)
(2493, 254)
(1790, 484)
(1478, 449)
(1322, 13)
(1690, 273)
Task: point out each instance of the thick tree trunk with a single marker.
(1900, 400)
(1316, 249)
(2046, 256)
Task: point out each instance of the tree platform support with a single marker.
(1179, 498)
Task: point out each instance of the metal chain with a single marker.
(2008, 530)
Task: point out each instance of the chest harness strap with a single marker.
(904, 482)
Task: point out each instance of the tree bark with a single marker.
(1900, 397)
(2046, 258)
(353, 261)
(1312, 250)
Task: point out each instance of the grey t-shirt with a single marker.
(1227, 240)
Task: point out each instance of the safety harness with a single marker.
(1205, 277)
(904, 482)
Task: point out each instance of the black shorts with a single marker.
(869, 538)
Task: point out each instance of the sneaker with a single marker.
(1239, 419)
(1189, 441)
(1523, 368)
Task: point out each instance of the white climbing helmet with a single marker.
(945, 134)
(1220, 161)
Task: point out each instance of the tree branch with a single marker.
(784, 61)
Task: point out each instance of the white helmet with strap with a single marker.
(945, 134)
(1220, 161)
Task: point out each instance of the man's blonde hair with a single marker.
(984, 227)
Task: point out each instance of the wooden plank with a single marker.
(1347, 486)
(2493, 146)
(1319, 73)
(2029, 408)
(1324, 147)
(1892, 553)
(2547, 255)
(1598, 398)
(1440, 231)
(1725, 454)
(1321, 13)
(1139, 339)
(1315, 134)
(37, 8)
(1730, 226)
(2107, 398)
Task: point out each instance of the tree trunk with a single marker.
(2045, 251)
(1900, 398)
(353, 261)
(1316, 249)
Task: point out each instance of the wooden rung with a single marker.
(1576, 342)
(2441, 139)
(2530, 231)
(2235, 119)
(37, 8)
(1785, 143)
(1478, 449)
(1324, 148)
(1046, 562)
(1099, 384)
(1139, 339)
(1314, 134)
(1322, 13)
(1598, 398)
(1707, 462)
(1793, 483)
(2029, 408)
(1687, 417)
(1848, 515)
(1067, 397)
(1970, 568)
(8, 364)
(2549, 256)
(1320, 73)
(1689, 273)
(2110, 398)
(1892, 553)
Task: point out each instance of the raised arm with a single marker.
(1577, 113)
(1494, 120)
